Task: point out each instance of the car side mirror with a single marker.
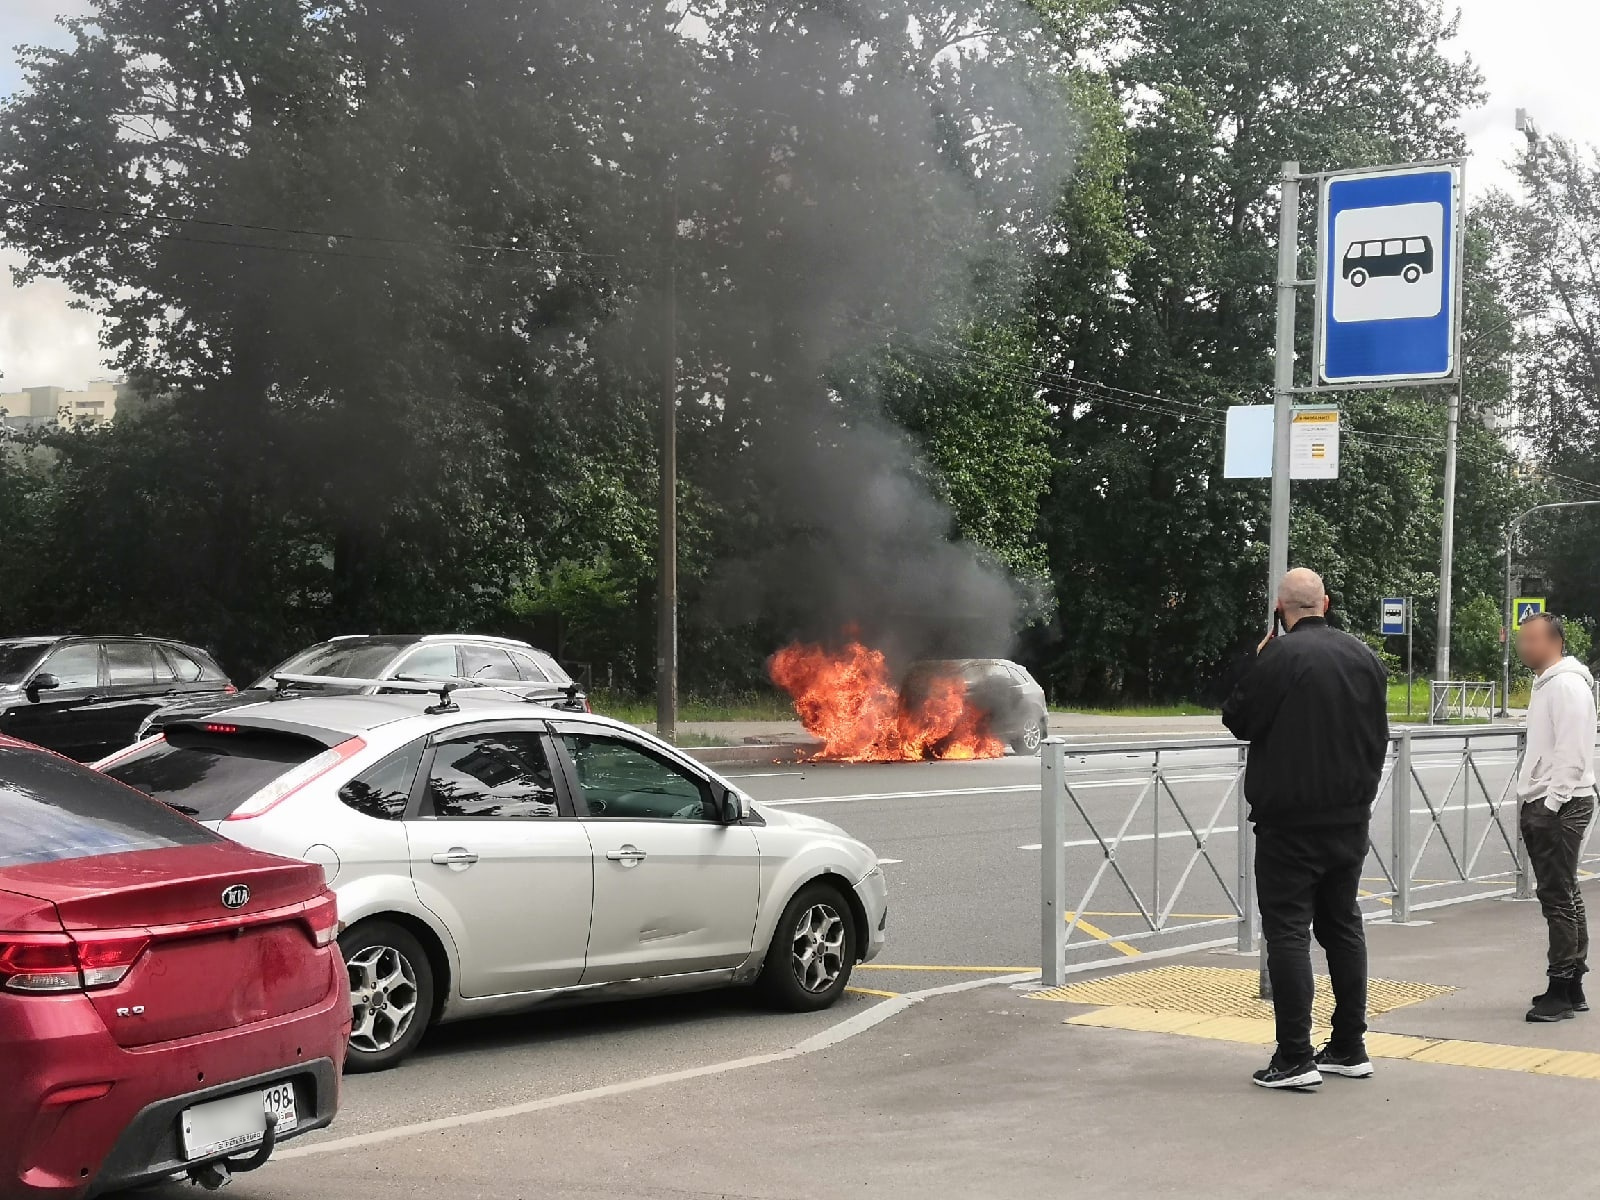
(42, 682)
(730, 807)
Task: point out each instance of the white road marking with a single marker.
(832, 1036)
(768, 775)
(890, 862)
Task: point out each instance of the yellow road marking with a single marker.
(872, 992)
(1095, 931)
(954, 970)
(1366, 895)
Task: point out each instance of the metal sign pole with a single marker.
(1283, 378)
(1411, 673)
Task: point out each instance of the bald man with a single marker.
(1314, 708)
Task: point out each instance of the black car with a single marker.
(86, 696)
(1011, 700)
(364, 660)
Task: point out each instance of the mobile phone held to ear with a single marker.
(1277, 622)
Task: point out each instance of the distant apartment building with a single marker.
(32, 407)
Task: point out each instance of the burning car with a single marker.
(943, 708)
(1000, 695)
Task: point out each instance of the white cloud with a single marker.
(1536, 54)
(42, 340)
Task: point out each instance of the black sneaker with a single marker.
(1352, 1065)
(1288, 1075)
(1554, 1005)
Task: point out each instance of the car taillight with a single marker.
(230, 690)
(127, 752)
(322, 915)
(290, 782)
(59, 962)
(587, 707)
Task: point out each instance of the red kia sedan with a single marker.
(170, 1002)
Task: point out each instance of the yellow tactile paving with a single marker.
(1485, 1055)
(1141, 1020)
(1395, 1045)
(1221, 1004)
(1573, 1064)
(1223, 992)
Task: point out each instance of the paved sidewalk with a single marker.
(991, 1093)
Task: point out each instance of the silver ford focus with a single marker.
(491, 854)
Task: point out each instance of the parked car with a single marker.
(163, 990)
(87, 696)
(491, 855)
(355, 664)
(1010, 698)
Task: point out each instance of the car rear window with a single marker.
(206, 774)
(53, 809)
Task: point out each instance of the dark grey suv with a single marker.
(1011, 700)
(86, 696)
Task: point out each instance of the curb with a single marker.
(753, 752)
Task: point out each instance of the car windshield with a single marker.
(207, 775)
(52, 809)
(17, 659)
(347, 660)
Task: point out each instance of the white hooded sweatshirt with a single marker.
(1561, 734)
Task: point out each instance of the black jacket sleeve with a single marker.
(1250, 710)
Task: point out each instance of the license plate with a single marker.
(237, 1122)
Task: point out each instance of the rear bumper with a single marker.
(72, 1143)
(151, 1149)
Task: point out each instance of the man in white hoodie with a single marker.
(1556, 789)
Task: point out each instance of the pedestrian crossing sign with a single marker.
(1525, 607)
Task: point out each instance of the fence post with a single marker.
(1053, 865)
(1524, 867)
(1400, 833)
(1246, 941)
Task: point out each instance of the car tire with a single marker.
(391, 994)
(1031, 736)
(813, 951)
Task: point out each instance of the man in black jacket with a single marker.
(1314, 708)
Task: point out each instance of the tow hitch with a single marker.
(219, 1174)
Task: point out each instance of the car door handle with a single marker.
(456, 856)
(628, 856)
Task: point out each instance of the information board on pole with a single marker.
(1388, 277)
(1313, 442)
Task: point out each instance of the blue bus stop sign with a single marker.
(1387, 296)
(1392, 616)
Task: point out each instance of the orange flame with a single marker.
(846, 699)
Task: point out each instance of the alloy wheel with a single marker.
(818, 952)
(383, 998)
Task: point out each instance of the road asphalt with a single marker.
(989, 1093)
(906, 1088)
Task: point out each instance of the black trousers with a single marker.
(1309, 880)
(1553, 841)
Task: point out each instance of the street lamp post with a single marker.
(1505, 640)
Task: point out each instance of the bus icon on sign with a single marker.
(1408, 258)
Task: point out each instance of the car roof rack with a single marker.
(528, 693)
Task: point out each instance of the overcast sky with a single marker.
(1536, 54)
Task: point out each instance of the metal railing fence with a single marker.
(1200, 846)
(1462, 700)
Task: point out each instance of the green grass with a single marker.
(1181, 709)
(637, 710)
